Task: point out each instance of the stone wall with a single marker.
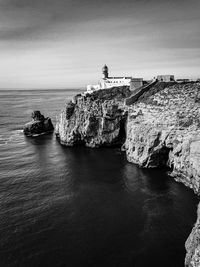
(138, 92)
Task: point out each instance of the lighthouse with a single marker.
(105, 72)
(108, 82)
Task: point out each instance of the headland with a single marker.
(156, 124)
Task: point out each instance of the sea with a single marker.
(74, 206)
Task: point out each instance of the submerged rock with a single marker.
(94, 120)
(39, 125)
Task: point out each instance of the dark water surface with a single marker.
(68, 207)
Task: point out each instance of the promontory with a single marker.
(158, 125)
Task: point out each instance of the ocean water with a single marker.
(73, 207)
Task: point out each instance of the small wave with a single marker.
(6, 139)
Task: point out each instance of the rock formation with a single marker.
(160, 125)
(95, 119)
(38, 125)
(192, 245)
(163, 129)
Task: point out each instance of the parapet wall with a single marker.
(138, 92)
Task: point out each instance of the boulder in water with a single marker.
(39, 125)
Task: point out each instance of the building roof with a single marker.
(119, 78)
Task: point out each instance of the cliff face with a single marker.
(192, 245)
(163, 129)
(95, 119)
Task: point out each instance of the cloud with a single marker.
(58, 42)
(21, 18)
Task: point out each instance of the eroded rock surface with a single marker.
(94, 120)
(192, 245)
(164, 130)
(38, 125)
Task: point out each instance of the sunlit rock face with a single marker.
(94, 120)
(163, 129)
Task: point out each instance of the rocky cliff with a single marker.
(163, 129)
(192, 245)
(159, 127)
(94, 120)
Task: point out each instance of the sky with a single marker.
(65, 43)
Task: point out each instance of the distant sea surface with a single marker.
(71, 207)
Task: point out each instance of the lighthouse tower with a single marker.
(105, 72)
(109, 82)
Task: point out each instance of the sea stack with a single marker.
(38, 125)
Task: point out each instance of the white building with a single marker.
(108, 82)
(165, 78)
